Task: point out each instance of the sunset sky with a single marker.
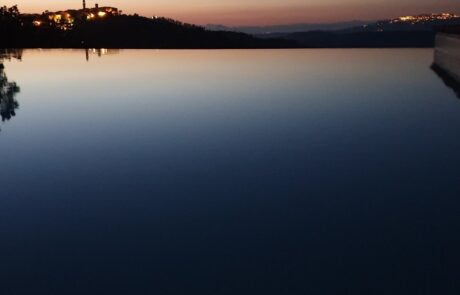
(257, 12)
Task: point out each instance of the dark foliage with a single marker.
(123, 31)
(140, 32)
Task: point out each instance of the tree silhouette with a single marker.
(9, 14)
(8, 90)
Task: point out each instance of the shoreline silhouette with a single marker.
(108, 27)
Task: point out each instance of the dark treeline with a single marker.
(140, 32)
(122, 31)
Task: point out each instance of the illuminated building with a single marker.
(65, 20)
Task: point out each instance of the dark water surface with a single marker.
(230, 172)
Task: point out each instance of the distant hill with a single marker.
(292, 28)
(405, 31)
(422, 22)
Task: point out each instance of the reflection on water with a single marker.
(447, 79)
(99, 52)
(230, 172)
(8, 90)
(9, 54)
(447, 60)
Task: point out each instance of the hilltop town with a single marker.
(108, 27)
(65, 20)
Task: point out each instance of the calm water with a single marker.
(230, 172)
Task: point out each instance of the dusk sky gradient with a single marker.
(257, 12)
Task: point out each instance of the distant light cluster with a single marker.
(425, 18)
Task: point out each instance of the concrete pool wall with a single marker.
(447, 54)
